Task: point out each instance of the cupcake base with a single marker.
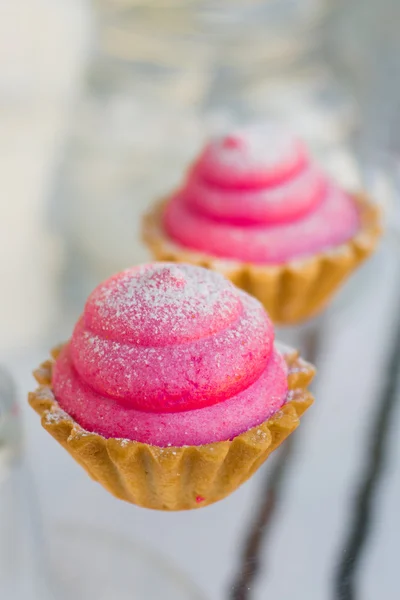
(292, 292)
(173, 478)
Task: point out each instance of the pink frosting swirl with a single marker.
(170, 354)
(259, 157)
(256, 196)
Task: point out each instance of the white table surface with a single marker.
(311, 521)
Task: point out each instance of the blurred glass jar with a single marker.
(163, 77)
(23, 560)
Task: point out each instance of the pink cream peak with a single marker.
(170, 355)
(256, 196)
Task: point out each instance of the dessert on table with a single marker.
(256, 207)
(172, 390)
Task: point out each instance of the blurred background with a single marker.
(102, 106)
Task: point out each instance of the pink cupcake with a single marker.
(171, 391)
(255, 207)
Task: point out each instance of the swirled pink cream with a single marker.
(256, 196)
(170, 355)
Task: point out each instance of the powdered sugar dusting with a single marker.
(162, 304)
(208, 341)
(264, 146)
(44, 393)
(214, 373)
(55, 416)
(221, 421)
(252, 156)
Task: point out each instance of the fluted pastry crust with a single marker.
(173, 478)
